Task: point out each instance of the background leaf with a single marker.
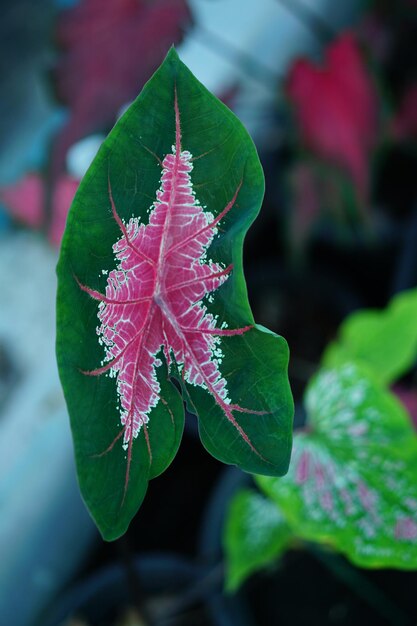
(256, 534)
(337, 113)
(352, 479)
(109, 50)
(384, 341)
(26, 201)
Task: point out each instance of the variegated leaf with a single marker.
(352, 480)
(151, 286)
(255, 536)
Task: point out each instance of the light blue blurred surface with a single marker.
(45, 530)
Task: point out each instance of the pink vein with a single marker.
(111, 446)
(177, 122)
(227, 332)
(177, 158)
(97, 295)
(122, 227)
(227, 409)
(148, 443)
(200, 280)
(164, 402)
(131, 409)
(202, 230)
(110, 364)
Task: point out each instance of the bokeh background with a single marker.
(328, 90)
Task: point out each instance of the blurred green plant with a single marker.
(352, 485)
(257, 534)
(384, 341)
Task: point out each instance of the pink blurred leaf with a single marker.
(25, 201)
(336, 108)
(110, 49)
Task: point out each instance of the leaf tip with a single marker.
(172, 55)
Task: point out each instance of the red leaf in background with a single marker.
(25, 201)
(337, 109)
(110, 49)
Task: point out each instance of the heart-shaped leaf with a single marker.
(385, 341)
(256, 535)
(151, 285)
(352, 480)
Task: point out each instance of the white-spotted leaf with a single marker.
(353, 476)
(256, 535)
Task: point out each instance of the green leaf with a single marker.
(352, 480)
(151, 287)
(256, 535)
(385, 341)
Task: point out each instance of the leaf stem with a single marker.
(134, 586)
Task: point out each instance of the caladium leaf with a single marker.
(384, 341)
(337, 113)
(256, 535)
(352, 481)
(151, 286)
